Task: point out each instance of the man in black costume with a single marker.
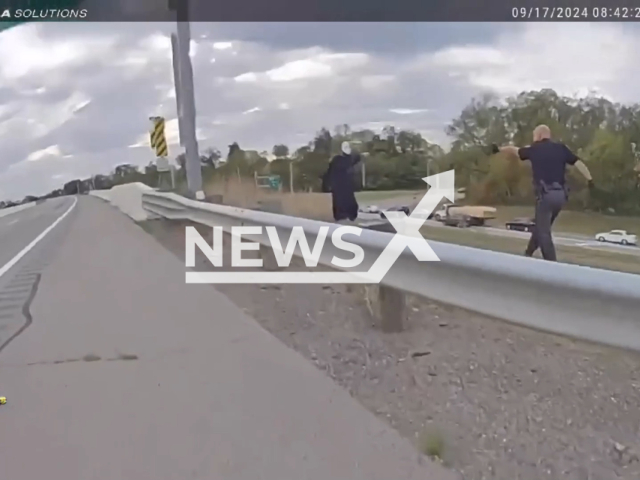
(339, 180)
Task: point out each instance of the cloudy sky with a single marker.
(75, 98)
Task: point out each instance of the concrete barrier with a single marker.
(18, 208)
(128, 199)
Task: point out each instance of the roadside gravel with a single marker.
(510, 403)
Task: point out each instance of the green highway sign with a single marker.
(274, 182)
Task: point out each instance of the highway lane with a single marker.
(569, 240)
(24, 237)
(20, 228)
(560, 238)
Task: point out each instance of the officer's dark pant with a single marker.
(548, 206)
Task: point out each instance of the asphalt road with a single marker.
(24, 238)
(19, 229)
(126, 372)
(560, 239)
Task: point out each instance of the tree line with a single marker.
(604, 134)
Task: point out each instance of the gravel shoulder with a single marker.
(510, 403)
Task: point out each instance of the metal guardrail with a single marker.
(587, 303)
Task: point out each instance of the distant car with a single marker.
(521, 224)
(404, 209)
(621, 237)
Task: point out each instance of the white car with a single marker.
(618, 236)
(370, 209)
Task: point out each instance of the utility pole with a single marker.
(185, 99)
(291, 176)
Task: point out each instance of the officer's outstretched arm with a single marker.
(584, 170)
(509, 150)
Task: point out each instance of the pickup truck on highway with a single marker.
(475, 215)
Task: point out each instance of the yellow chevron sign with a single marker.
(158, 140)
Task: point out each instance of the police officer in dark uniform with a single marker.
(548, 162)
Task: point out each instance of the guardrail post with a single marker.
(387, 306)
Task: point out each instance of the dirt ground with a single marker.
(508, 403)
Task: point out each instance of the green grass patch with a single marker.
(431, 443)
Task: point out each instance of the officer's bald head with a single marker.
(541, 132)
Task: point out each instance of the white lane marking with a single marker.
(12, 222)
(35, 241)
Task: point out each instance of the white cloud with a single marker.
(377, 82)
(249, 77)
(222, 45)
(299, 70)
(34, 120)
(142, 140)
(80, 105)
(47, 121)
(472, 56)
(157, 42)
(172, 132)
(408, 111)
(571, 58)
(24, 52)
(317, 66)
(51, 151)
(154, 49)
